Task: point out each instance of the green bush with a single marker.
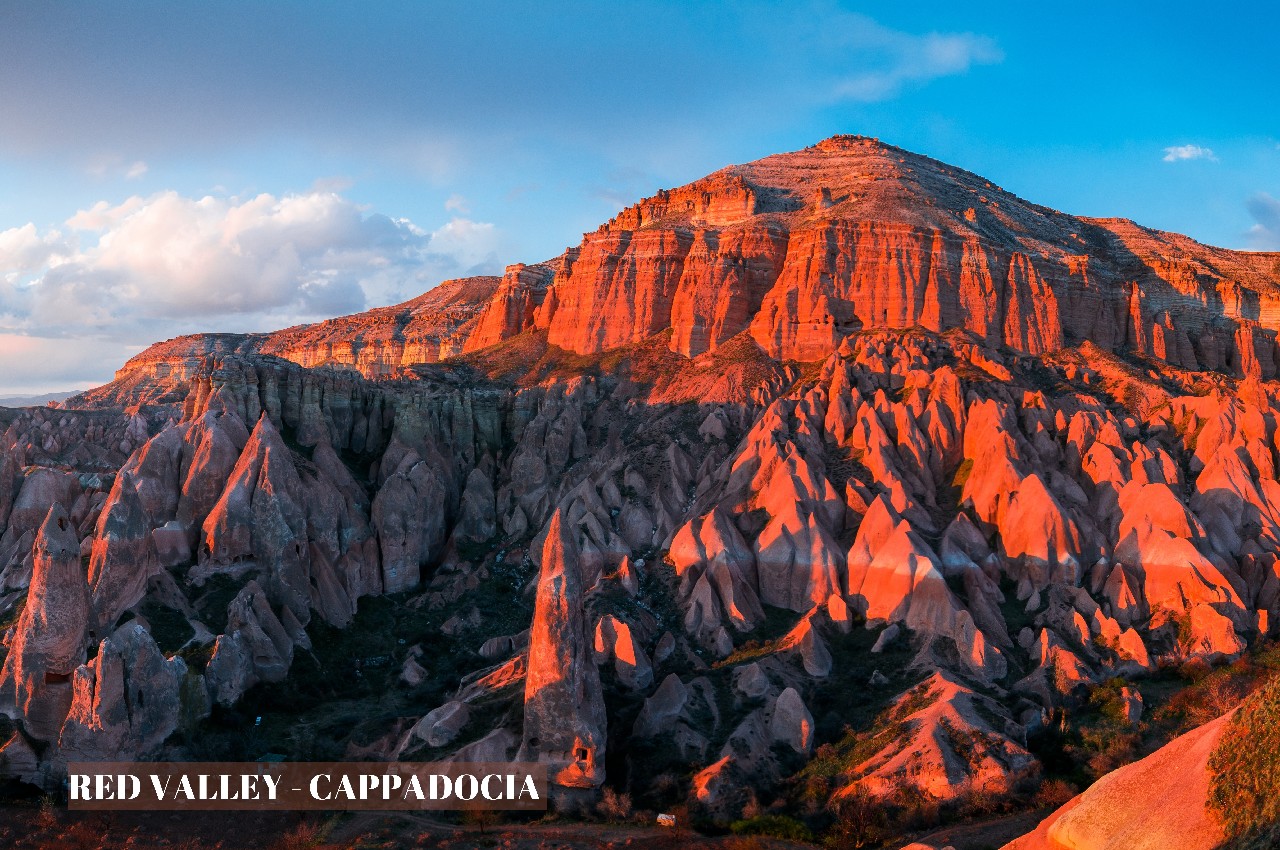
(774, 826)
(170, 629)
(1245, 767)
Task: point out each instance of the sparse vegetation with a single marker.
(764, 638)
(1245, 767)
(775, 826)
(1082, 742)
(1104, 739)
(859, 820)
(615, 806)
(309, 834)
(169, 628)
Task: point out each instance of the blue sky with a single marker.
(167, 167)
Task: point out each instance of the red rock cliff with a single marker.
(803, 248)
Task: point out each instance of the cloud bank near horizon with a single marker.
(124, 275)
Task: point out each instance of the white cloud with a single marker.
(889, 60)
(1184, 152)
(103, 215)
(457, 203)
(151, 267)
(103, 166)
(24, 251)
(469, 244)
(1265, 233)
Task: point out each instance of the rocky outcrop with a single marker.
(124, 554)
(408, 513)
(948, 746)
(718, 572)
(791, 723)
(1160, 801)
(616, 641)
(441, 726)
(49, 642)
(261, 517)
(564, 718)
(126, 700)
(256, 647)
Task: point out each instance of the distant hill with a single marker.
(35, 400)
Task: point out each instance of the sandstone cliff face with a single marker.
(512, 307)
(802, 249)
(428, 328)
(723, 280)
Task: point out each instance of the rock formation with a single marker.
(840, 434)
(126, 700)
(564, 718)
(1158, 802)
(896, 240)
(49, 642)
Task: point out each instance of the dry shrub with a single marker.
(614, 807)
(305, 835)
(81, 835)
(1053, 793)
(48, 817)
(860, 821)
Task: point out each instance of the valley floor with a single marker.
(32, 826)
(29, 824)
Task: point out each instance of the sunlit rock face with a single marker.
(49, 641)
(844, 437)
(564, 718)
(802, 249)
(1160, 801)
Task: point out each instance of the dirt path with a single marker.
(405, 829)
(983, 835)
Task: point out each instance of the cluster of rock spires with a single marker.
(839, 394)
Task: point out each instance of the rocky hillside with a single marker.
(1213, 787)
(838, 482)
(800, 250)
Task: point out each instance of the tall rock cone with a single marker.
(564, 719)
(49, 642)
(123, 555)
(261, 516)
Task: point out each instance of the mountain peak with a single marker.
(797, 251)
